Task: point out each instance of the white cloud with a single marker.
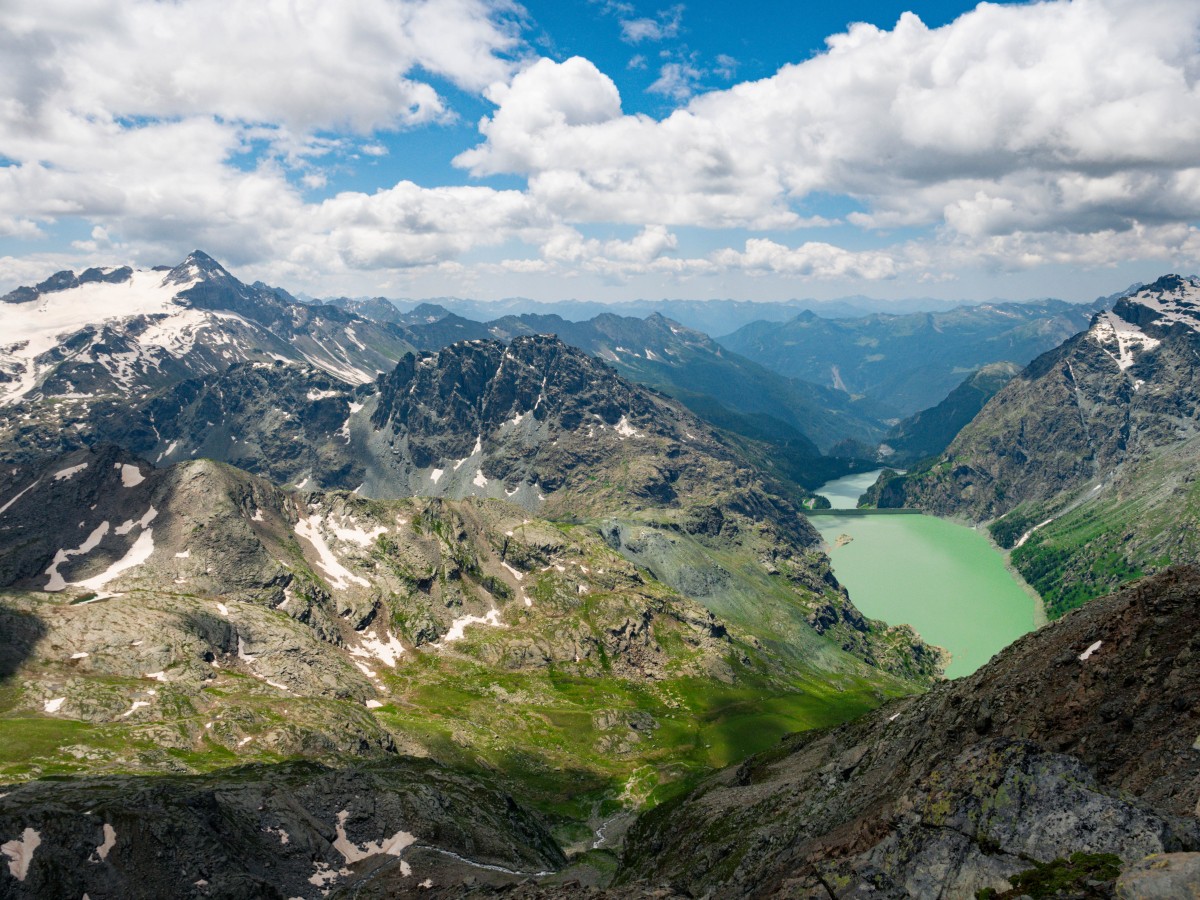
(812, 259)
(1076, 115)
(304, 64)
(663, 26)
(676, 80)
(1018, 136)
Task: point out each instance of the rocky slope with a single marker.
(1069, 759)
(1085, 462)
(287, 830)
(187, 618)
(1078, 738)
(158, 326)
(534, 423)
(930, 431)
(906, 363)
(726, 389)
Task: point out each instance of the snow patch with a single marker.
(20, 853)
(374, 704)
(110, 841)
(1086, 654)
(241, 651)
(388, 650)
(515, 574)
(340, 576)
(1110, 329)
(436, 474)
(57, 582)
(80, 655)
(141, 550)
(354, 533)
(625, 430)
(480, 480)
(157, 676)
(393, 846)
(53, 706)
(4, 508)
(459, 626)
(68, 474)
(131, 476)
(127, 526)
(186, 554)
(137, 704)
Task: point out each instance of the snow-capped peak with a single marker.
(36, 326)
(1172, 300)
(198, 266)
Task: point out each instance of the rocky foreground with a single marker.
(1077, 744)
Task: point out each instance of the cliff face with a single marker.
(1078, 738)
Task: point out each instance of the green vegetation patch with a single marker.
(1070, 876)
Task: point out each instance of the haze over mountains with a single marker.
(555, 574)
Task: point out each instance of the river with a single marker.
(946, 580)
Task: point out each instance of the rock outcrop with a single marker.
(1078, 738)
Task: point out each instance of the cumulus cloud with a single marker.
(305, 64)
(151, 118)
(1076, 115)
(1017, 136)
(812, 259)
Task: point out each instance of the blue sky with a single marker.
(607, 149)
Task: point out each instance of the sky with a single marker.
(607, 149)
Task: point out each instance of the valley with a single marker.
(291, 550)
(612, 450)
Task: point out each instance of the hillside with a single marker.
(1077, 739)
(1084, 463)
(930, 431)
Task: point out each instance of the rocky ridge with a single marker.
(1084, 462)
(165, 324)
(1078, 738)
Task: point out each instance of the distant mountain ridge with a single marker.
(786, 423)
(906, 363)
(714, 316)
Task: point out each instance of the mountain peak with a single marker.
(1172, 300)
(198, 266)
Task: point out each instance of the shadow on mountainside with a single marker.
(19, 633)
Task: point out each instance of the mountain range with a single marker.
(304, 600)
(906, 363)
(499, 557)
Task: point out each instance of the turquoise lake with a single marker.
(945, 580)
